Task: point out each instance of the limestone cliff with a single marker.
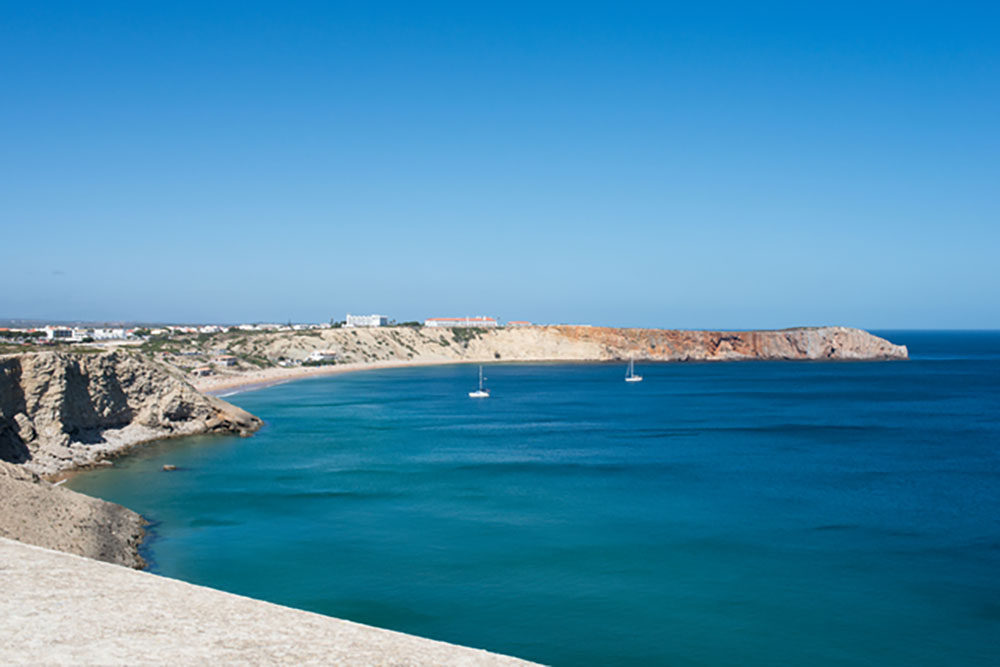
(59, 411)
(568, 343)
(816, 343)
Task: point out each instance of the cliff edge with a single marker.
(60, 411)
(36, 512)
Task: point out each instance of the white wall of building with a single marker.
(366, 321)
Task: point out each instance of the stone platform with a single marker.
(57, 608)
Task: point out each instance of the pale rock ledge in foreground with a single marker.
(64, 609)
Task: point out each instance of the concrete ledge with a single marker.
(58, 608)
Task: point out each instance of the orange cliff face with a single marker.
(819, 343)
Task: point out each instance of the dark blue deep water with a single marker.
(714, 514)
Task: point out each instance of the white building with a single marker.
(460, 322)
(519, 323)
(58, 333)
(322, 355)
(225, 360)
(108, 334)
(366, 321)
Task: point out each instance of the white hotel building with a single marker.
(460, 322)
(366, 321)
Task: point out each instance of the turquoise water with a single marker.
(714, 514)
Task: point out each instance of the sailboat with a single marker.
(480, 393)
(630, 375)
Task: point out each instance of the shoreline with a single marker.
(223, 386)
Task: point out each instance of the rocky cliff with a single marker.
(814, 343)
(39, 513)
(60, 411)
(569, 343)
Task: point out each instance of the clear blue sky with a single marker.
(693, 165)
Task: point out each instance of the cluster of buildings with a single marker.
(224, 360)
(216, 328)
(77, 334)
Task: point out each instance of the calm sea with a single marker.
(715, 514)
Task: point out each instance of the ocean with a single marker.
(752, 513)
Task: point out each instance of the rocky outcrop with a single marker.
(39, 513)
(60, 411)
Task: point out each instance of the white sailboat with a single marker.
(630, 375)
(480, 393)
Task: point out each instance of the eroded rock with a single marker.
(60, 410)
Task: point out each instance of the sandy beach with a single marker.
(233, 383)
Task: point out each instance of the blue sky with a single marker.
(694, 165)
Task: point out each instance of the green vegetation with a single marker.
(325, 362)
(464, 334)
(22, 335)
(260, 362)
(69, 348)
(159, 344)
(411, 324)
(21, 348)
(82, 349)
